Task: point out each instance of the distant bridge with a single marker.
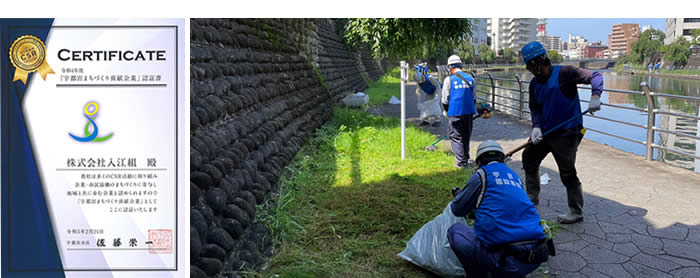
(591, 63)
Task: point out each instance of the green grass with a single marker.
(380, 91)
(683, 72)
(348, 203)
(645, 69)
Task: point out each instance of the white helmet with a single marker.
(488, 146)
(453, 60)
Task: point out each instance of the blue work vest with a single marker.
(556, 107)
(505, 214)
(427, 86)
(461, 96)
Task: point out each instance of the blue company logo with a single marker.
(90, 110)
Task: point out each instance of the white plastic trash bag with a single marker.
(429, 247)
(394, 100)
(356, 100)
(430, 108)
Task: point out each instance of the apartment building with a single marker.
(623, 35)
(607, 54)
(480, 32)
(677, 27)
(511, 32)
(594, 51)
(551, 43)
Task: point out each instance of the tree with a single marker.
(466, 52)
(555, 57)
(439, 56)
(406, 38)
(486, 54)
(510, 55)
(695, 33)
(630, 58)
(645, 47)
(624, 59)
(678, 52)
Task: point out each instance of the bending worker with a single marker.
(427, 91)
(458, 105)
(553, 100)
(507, 239)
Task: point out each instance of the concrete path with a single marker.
(641, 218)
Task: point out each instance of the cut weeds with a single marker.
(348, 203)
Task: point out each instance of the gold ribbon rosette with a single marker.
(28, 54)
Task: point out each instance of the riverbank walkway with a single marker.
(641, 218)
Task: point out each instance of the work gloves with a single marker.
(594, 104)
(444, 113)
(536, 135)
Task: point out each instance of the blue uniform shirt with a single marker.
(427, 86)
(506, 214)
(461, 98)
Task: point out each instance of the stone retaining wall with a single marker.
(259, 90)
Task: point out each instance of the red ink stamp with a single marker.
(161, 241)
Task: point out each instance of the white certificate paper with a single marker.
(108, 135)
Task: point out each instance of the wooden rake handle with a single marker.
(529, 140)
(517, 149)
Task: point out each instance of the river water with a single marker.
(622, 81)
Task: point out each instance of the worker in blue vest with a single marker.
(553, 99)
(427, 95)
(507, 239)
(458, 104)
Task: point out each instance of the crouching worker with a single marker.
(427, 95)
(507, 239)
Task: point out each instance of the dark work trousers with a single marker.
(460, 132)
(563, 148)
(478, 261)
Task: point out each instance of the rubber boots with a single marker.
(532, 186)
(575, 197)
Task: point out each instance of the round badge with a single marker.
(27, 53)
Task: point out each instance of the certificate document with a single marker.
(93, 146)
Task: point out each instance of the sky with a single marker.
(596, 29)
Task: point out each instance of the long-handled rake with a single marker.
(529, 140)
(484, 109)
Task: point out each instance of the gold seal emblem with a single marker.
(28, 54)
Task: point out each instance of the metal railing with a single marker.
(485, 66)
(489, 81)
